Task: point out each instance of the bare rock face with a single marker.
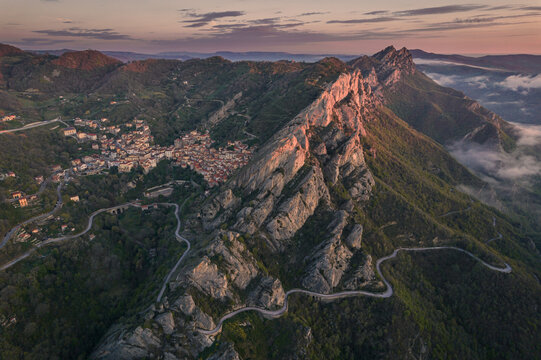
(346, 159)
(167, 322)
(294, 212)
(233, 258)
(135, 345)
(225, 352)
(355, 237)
(288, 149)
(362, 187)
(185, 304)
(206, 277)
(363, 276)
(269, 294)
(221, 204)
(331, 261)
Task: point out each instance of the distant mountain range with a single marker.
(229, 55)
(522, 63)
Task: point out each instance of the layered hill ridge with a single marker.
(9, 50)
(85, 60)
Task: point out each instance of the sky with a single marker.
(299, 26)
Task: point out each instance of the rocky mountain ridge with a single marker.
(287, 182)
(294, 180)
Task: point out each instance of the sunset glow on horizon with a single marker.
(318, 27)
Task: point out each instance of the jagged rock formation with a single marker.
(313, 170)
(287, 181)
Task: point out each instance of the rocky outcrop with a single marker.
(218, 209)
(330, 261)
(268, 294)
(222, 112)
(225, 352)
(185, 305)
(135, 345)
(206, 277)
(167, 322)
(354, 239)
(234, 260)
(294, 212)
(362, 276)
(288, 149)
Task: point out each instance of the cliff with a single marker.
(287, 184)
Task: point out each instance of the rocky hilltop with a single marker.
(85, 60)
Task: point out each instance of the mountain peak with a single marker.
(85, 60)
(400, 59)
(9, 50)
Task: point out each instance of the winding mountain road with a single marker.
(386, 294)
(269, 313)
(33, 125)
(87, 229)
(184, 254)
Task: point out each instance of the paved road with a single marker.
(386, 294)
(36, 218)
(31, 126)
(89, 226)
(67, 237)
(180, 238)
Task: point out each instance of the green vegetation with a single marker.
(64, 300)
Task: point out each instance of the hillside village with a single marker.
(130, 145)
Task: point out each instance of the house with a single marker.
(8, 118)
(75, 198)
(125, 167)
(81, 135)
(69, 131)
(23, 202)
(95, 146)
(11, 174)
(64, 227)
(39, 179)
(17, 195)
(92, 136)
